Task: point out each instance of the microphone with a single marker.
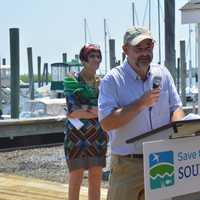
(156, 84)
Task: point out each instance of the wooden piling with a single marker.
(15, 64)
(183, 71)
(76, 57)
(3, 61)
(178, 76)
(45, 74)
(112, 53)
(39, 70)
(170, 53)
(30, 72)
(64, 57)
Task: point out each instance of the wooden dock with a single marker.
(31, 126)
(20, 188)
(41, 125)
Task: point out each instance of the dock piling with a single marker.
(183, 71)
(64, 57)
(15, 65)
(30, 72)
(39, 70)
(112, 53)
(3, 61)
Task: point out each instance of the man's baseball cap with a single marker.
(134, 35)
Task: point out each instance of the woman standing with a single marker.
(86, 145)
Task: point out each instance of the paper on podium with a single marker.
(191, 116)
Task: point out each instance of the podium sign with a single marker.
(171, 167)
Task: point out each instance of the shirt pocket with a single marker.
(161, 110)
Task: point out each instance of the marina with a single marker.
(32, 93)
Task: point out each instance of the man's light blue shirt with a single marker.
(122, 86)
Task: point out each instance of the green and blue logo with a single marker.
(161, 169)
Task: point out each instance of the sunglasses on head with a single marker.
(92, 45)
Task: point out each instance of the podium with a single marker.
(171, 161)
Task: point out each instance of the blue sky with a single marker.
(52, 27)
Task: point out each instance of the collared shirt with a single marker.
(122, 86)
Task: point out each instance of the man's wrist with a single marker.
(140, 105)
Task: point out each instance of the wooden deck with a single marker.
(21, 188)
(39, 126)
(31, 126)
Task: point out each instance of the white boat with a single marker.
(42, 107)
(191, 93)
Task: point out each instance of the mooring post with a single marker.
(15, 64)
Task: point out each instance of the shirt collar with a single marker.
(132, 72)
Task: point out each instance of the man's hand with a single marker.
(150, 97)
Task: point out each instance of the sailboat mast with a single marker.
(105, 44)
(133, 13)
(159, 60)
(85, 30)
(198, 64)
(190, 58)
(149, 14)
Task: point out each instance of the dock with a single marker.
(42, 125)
(22, 188)
(31, 126)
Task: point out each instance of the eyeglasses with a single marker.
(93, 56)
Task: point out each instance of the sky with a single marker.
(53, 27)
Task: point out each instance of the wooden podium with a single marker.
(171, 161)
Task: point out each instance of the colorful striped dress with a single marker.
(87, 146)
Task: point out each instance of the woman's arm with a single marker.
(83, 114)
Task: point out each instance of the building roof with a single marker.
(192, 5)
(5, 66)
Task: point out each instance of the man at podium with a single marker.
(134, 98)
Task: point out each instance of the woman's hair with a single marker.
(87, 49)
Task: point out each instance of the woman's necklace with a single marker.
(91, 81)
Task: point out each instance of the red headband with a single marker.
(89, 48)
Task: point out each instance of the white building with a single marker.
(5, 75)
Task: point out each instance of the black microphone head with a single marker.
(156, 82)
